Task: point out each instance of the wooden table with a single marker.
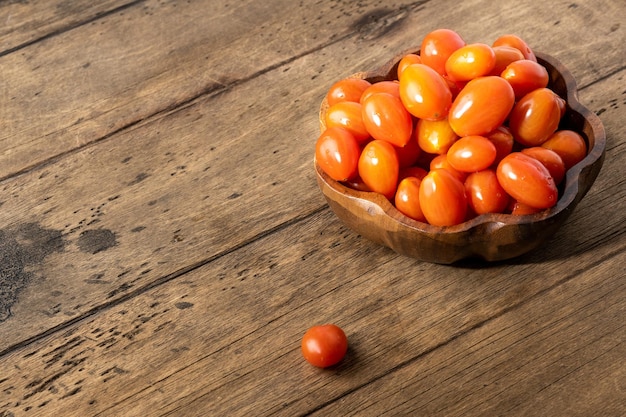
(164, 245)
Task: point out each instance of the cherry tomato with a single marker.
(413, 171)
(504, 56)
(441, 162)
(570, 146)
(550, 159)
(525, 76)
(357, 184)
(484, 193)
(385, 118)
(519, 209)
(535, 117)
(437, 46)
(472, 153)
(424, 92)
(408, 154)
(527, 180)
(324, 345)
(434, 136)
(482, 105)
(503, 140)
(407, 198)
(337, 153)
(442, 198)
(517, 43)
(348, 89)
(470, 61)
(407, 60)
(390, 87)
(379, 168)
(348, 114)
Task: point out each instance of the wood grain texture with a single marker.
(164, 245)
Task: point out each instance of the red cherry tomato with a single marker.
(502, 138)
(390, 87)
(348, 114)
(471, 154)
(407, 198)
(481, 106)
(517, 43)
(348, 89)
(337, 153)
(407, 60)
(437, 46)
(441, 162)
(408, 154)
(570, 146)
(385, 118)
(525, 76)
(527, 180)
(535, 117)
(470, 61)
(484, 193)
(550, 159)
(414, 171)
(379, 168)
(504, 56)
(424, 92)
(442, 198)
(434, 136)
(324, 345)
(520, 209)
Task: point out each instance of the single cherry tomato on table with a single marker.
(535, 117)
(348, 89)
(481, 106)
(324, 345)
(385, 118)
(442, 198)
(470, 61)
(437, 46)
(424, 92)
(379, 168)
(337, 153)
(526, 179)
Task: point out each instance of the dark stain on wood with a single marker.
(22, 248)
(96, 240)
(182, 305)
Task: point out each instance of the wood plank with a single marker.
(137, 63)
(154, 354)
(24, 22)
(136, 231)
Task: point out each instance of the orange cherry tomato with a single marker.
(442, 198)
(424, 92)
(535, 117)
(385, 118)
(550, 159)
(324, 345)
(517, 43)
(484, 193)
(348, 89)
(379, 168)
(434, 136)
(503, 140)
(441, 162)
(520, 209)
(408, 154)
(470, 61)
(570, 146)
(526, 179)
(481, 106)
(390, 87)
(471, 154)
(525, 76)
(407, 60)
(504, 56)
(413, 171)
(337, 153)
(437, 46)
(348, 114)
(407, 198)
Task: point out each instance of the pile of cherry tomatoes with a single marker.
(464, 129)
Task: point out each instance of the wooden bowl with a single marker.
(492, 237)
